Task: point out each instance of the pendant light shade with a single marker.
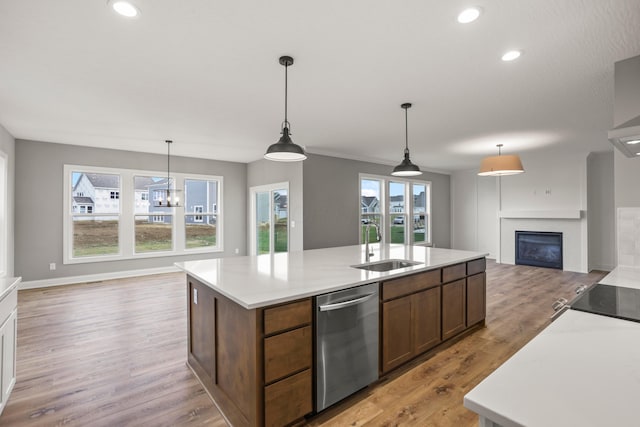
(501, 165)
(406, 168)
(170, 197)
(285, 150)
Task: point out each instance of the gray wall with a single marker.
(263, 172)
(7, 145)
(39, 199)
(332, 208)
(601, 211)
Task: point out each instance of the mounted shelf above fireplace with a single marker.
(539, 249)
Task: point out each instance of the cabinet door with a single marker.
(397, 333)
(476, 296)
(202, 326)
(453, 308)
(426, 319)
(8, 357)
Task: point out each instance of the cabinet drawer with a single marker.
(8, 304)
(286, 353)
(410, 284)
(476, 266)
(287, 316)
(454, 272)
(288, 400)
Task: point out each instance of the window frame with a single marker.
(127, 215)
(387, 217)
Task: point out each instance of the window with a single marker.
(370, 206)
(114, 219)
(153, 233)
(198, 209)
(200, 226)
(269, 207)
(400, 207)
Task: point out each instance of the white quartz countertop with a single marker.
(7, 284)
(625, 277)
(259, 281)
(582, 370)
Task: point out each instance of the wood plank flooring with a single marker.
(113, 353)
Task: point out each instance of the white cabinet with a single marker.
(8, 340)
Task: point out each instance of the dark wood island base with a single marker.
(257, 364)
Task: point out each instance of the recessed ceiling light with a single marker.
(633, 141)
(124, 8)
(469, 15)
(511, 55)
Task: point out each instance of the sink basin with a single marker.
(386, 265)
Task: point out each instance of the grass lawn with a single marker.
(281, 238)
(94, 238)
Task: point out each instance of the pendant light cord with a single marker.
(406, 131)
(168, 141)
(286, 122)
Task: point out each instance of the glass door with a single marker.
(270, 219)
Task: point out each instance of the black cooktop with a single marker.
(612, 301)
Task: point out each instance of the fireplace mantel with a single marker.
(543, 214)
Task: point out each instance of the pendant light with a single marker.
(406, 168)
(170, 197)
(501, 165)
(285, 150)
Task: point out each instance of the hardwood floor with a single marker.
(113, 353)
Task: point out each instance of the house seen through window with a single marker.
(99, 227)
(401, 208)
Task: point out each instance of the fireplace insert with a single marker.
(539, 248)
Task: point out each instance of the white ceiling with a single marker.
(205, 73)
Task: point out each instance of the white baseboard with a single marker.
(59, 281)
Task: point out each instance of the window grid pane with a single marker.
(153, 232)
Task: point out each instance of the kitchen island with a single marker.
(251, 319)
(582, 370)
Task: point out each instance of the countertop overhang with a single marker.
(263, 280)
(583, 370)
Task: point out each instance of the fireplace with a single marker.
(539, 248)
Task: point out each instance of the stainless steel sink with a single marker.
(386, 265)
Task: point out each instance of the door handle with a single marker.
(345, 304)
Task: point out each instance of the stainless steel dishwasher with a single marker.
(346, 343)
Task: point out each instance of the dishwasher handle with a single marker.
(345, 304)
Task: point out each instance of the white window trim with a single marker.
(387, 216)
(126, 216)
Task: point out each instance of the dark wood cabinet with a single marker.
(410, 323)
(453, 308)
(202, 317)
(256, 364)
(476, 298)
(426, 313)
(397, 333)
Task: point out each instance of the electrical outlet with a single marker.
(52, 266)
(547, 192)
(293, 224)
